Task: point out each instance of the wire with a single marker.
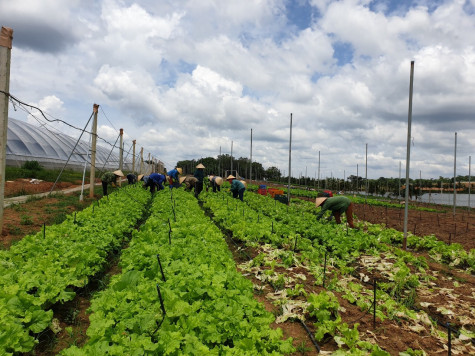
(21, 104)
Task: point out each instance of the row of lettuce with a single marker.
(208, 307)
(262, 220)
(48, 267)
(369, 200)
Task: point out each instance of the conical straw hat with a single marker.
(182, 179)
(219, 181)
(231, 177)
(200, 166)
(118, 173)
(179, 170)
(140, 177)
(319, 201)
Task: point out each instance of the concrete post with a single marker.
(148, 164)
(121, 153)
(141, 161)
(6, 36)
(92, 177)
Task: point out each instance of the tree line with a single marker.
(224, 165)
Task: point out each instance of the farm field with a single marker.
(308, 275)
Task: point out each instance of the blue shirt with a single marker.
(157, 178)
(173, 173)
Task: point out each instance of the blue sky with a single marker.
(185, 78)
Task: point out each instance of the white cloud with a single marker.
(184, 78)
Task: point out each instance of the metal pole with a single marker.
(469, 182)
(290, 159)
(366, 175)
(92, 175)
(219, 162)
(6, 37)
(344, 180)
(357, 180)
(232, 157)
(133, 156)
(408, 157)
(121, 153)
(399, 187)
(318, 184)
(250, 168)
(420, 184)
(455, 173)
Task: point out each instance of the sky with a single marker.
(188, 78)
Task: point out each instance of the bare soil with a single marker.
(446, 226)
(23, 186)
(394, 338)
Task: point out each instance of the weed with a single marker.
(18, 207)
(32, 198)
(32, 165)
(20, 193)
(58, 219)
(302, 348)
(14, 230)
(26, 220)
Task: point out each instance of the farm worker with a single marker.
(189, 181)
(110, 178)
(145, 179)
(155, 180)
(216, 182)
(337, 205)
(199, 175)
(237, 187)
(173, 177)
(325, 194)
(131, 178)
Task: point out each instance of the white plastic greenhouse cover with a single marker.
(26, 142)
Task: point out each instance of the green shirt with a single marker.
(237, 185)
(335, 204)
(108, 177)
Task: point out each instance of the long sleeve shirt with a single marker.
(237, 185)
(173, 174)
(199, 174)
(334, 204)
(109, 177)
(157, 178)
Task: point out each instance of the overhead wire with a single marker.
(17, 102)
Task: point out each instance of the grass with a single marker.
(26, 220)
(49, 175)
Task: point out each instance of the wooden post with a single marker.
(133, 156)
(92, 177)
(141, 161)
(148, 163)
(121, 153)
(6, 36)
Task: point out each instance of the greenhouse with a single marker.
(26, 142)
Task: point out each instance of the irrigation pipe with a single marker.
(301, 321)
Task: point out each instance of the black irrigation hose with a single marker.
(310, 335)
(301, 321)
